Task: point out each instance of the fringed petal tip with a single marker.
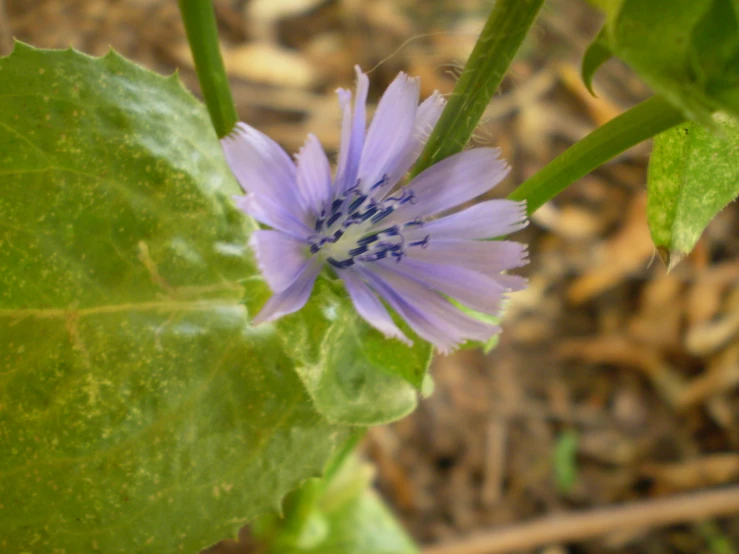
(239, 130)
(451, 348)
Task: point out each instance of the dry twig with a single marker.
(578, 527)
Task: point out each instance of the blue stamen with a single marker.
(335, 205)
(333, 218)
(369, 213)
(383, 214)
(408, 196)
(422, 243)
(358, 250)
(341, 264)
(414, 223)
(380, 182)
(337, 236)
(314, 248)
(368, 239)
(356, 203)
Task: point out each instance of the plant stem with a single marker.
(504, 31)
(337, 460)
(202, 34)
(639, 123)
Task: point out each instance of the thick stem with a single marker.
(202, 34)
(639, 123)
(499, 41)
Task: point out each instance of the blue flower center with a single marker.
(350, 230)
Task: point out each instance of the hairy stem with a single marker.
(499, 41)
(202, 34)
(639, 123)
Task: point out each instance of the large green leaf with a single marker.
(693, 174)
(686, 50)
(139, 412)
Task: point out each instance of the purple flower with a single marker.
(382, 240)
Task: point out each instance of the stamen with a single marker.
(383, 214)
(422, 243)
(416, 222)
(368, 239)
(356, 203)
(341, 264)
(319, 221)
(333, 218)
(409, 195)
(358, 250)
(380, 182)
(366, 215)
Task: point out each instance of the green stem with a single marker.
(337, 460)
(301, 502)
(639, 123)
(499, 41)
(202, 34)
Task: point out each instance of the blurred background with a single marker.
(613, 381)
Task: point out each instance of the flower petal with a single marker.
(352, 133)
(391, 129)
(430, 315)
(262, 167)
(475, 290)
(314, 175)
(369, 307)
(486, 220)
(512, 283)
(451, 182)
(427, 115)
(488, 257)
(281, 258)
(265, 211)
(293, 297)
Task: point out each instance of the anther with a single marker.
(341, 264)
(383, 214)
(358, 250)
(368, 239)
(356, 203)
(333, 219)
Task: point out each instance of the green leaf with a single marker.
(353, 374)
(693, 174)
(348, 517)
(565, 460)
(596, 55)
(687, 51)
(139, 411)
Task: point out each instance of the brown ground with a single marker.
(604, 351)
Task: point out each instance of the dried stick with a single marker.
(6, 36)
(577, 527)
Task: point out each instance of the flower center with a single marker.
(350, 230)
